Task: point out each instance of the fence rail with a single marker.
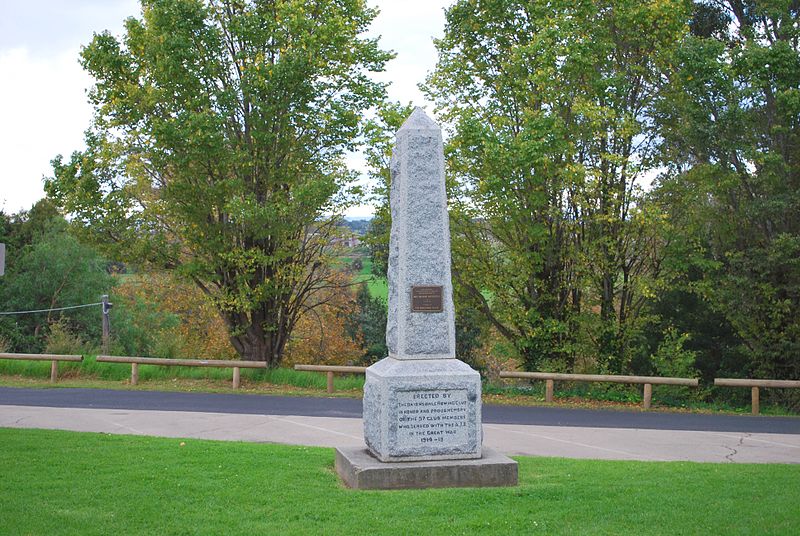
(647, 381)
(330, 370)
(549, 377)
(53, 358)
(754, 385)
(136, 361)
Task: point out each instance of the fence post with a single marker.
(236, 377)
(53, 371)
(754, 400)
(134, 373)
(106, 323)
(548, 390)
(648, 395)
(330, 381)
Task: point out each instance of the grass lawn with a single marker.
(378, 286)
(74, 483)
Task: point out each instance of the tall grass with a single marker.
(91, 369)
(518, 393)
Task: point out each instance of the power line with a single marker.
(49, 310)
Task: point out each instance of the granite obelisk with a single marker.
(421, 403)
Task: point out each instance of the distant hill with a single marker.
(359, 226)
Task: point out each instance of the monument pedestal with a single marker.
(422, 406)
(422, 410)
(358, 469)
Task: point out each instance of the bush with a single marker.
(62, 340)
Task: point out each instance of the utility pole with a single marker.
(2, 259)
(107, 305)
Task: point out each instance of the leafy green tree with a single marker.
(380, 137)
(216, 150)
(548, 104)
(471, 328)
(730, 125)
(369, 318)
(17, 231)
(28, 226)
(51, 271)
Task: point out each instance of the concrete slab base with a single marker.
(358, 469)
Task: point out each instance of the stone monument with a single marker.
(421, 404)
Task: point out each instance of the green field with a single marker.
(378, 286)
(73, 483)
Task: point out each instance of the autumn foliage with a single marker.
(164, 317)
(322, 334)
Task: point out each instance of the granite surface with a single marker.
(422, 410)
(420, 403)
(419, 245)
(360, 470)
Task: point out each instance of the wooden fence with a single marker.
(754, 385)
(53, 358)
(136, 361)
(647, 381)
(549, 377)
(330, 370)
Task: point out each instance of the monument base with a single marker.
(358, 469)
(422, 410)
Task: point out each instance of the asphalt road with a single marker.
(351, 408)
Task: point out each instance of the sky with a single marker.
(43, 106)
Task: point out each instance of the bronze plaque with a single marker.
(427, 299)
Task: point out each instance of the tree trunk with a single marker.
(607, 312)
(250, 347)
(253, 343)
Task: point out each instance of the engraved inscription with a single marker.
(432, 417)
(426, 299)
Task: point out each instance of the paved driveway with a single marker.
(336, 422)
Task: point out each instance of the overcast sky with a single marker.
(43, 108)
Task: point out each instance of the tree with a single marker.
(28, 226)
(216, 150)
(49, 269)
(155, 314)
(548, 105)
(730, 124)
(369, 320)
(323, 334)
(380, 134)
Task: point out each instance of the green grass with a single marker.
(378, 286)
(287, 381)
(665, 397)
(90, 369)
(73, 483)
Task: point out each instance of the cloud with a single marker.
(44, 112)
(409, 28)
(43, 108)
(49, 27)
